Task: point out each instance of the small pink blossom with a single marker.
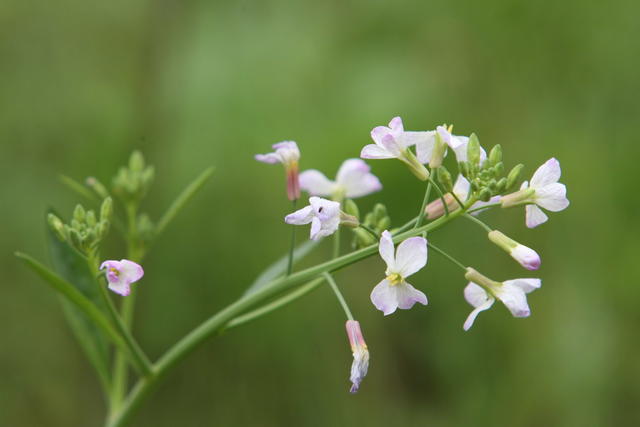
(121, 274)
(288, 154)
(394, 291)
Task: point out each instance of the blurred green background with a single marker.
(202, 83)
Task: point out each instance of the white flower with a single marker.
(394, 292)
(121, 274)
(323, 214)
(360, 363)
(544, 191)
(353, 180)
(425, 146)
(393, 142)
(512, 293)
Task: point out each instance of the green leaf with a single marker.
(182, 199)
(72, 266)
(79, 188)
(279, 267)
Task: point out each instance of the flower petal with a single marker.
(316, 183)
(386, 250)
(130, 271)
(552, 197)
(300, 217)
(407, 296)
(534, 216)
(355, 178)
(527, 285)
(514, 298)
(316, 229)
(546, 174)
(121, 288)
(474, 313)
(384, 298)
(396, 125)
(475, 294)
(461, 188)
(268, 158)
(411, 256)
(373, 151)
(392, 146)
(407, 139)
(459, 145)
(424, 147)
(378, 132)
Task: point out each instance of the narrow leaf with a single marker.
(182, 199)
(279, 267)
(79, 188)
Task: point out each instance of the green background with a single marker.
(202, 83)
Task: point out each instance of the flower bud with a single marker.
(436, 209)
(136, 161)
(513, 175)
(360, 364)
(351, 208)
(57, 226)
(445, 179)
(527, 257)
(98, 187)
(106, 210)
(91, 219)
(348, 220)
(495, 156)
(79, 213)
(473, 150)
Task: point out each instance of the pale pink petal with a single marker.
(130, 271)
(386, 250)
(112, 276)
(378, 132)
(534, 216)
(527, 257)
(396, 125)
(391, 145)
(474, 313)
(527, 285)
(424, 148)
(268, 158)
(384, 298)
(355, 178)
(475, 294)
(373, 151)
(514, 298)
(316, 229)
(459, 145)
(315, 183)
(408, 139)
(407, 296)
(300, 217)
(461, 188)
(552, 197)
(121, 287)
(411, 256)
(546, 174)
(480, 204)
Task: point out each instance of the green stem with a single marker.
(406, 226)
(293, 243)
(444, 202)
(280, 302)
(217, 322)
(369, 230)
(339, 295)
(477, 221)
(447, 256)
(425, 201)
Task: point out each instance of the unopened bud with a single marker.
(384, 223)
(495, 155)
(106, 210)
(351, 208)
(445, 179)
(513, 176)
(348, 220)
(526, 257)
(473, 150)
(91, 219)
(136, 161)
(98, 187)
(379, 212)
(79, 213)
(57, 226)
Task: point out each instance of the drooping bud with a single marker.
(360, 364)
(526, 257)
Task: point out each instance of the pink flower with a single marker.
(394, 291)
(360, 363)
(288, 154)
(353, 180)
(121, 274)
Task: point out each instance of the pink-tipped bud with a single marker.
(527, 257)
(436, 209)
(360, 363)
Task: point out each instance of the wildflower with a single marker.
(394, 292)
(527, 257)
(393, 142)
(288, 154)
(353, 180)
(461, 189)
(324, 215)
(481, 293)
(360, 363)
(121, 274)
(428, 147)
(544, 191)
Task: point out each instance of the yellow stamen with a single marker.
(395, 279)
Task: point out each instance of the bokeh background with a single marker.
(202, 83)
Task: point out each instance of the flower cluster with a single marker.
(480, 184)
